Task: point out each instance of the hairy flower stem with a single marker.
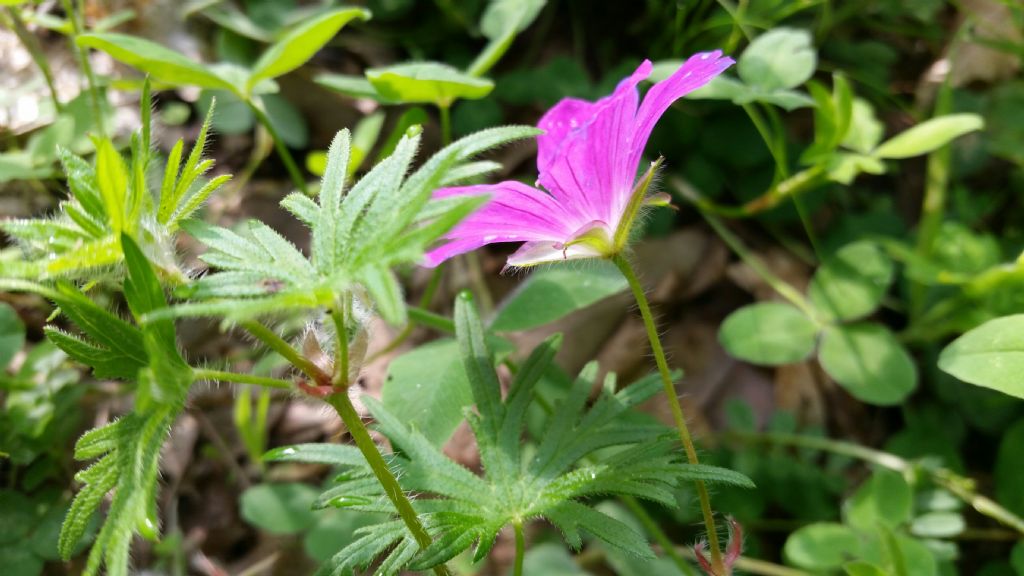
(361, 436)
(277, 344)
(280, 146)
(343, 405)
(224, 376)
(517, 567)
(677, 412)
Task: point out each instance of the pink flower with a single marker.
(588, 158)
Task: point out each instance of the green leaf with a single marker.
(929, 135)
(771, 333)
(12, 334)
(427, 388)
(427, 82)
(1009, 469)
(549, 559)
(780, 58)
(869, 362)
(551, 293)
(938, 525)
(865, 130)
(354, 86)
(301, 44)
(112, 179)
(822, 546)
(162, 63)
(862, 568)
(279, 508)
(991, 355)
(331, 454)
(852, 282)
(502, 16)
(885, 499)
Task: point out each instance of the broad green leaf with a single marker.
(1009, 469)
(938, 525)
(553, 292)
(885, 498)
(862, 568)
(852, 282)
(427, 388)
(301, 43)
(162, 63)
(779, 58)
(279, 508)
(865, 130)
(991, 355)
(549, 559)
(331, 454)
(771, 333)
(354, 86)
(929, 135)
(822, 546)
(333, 529)
(501, 16)
(12, 334)
(427, 82)
(869, 362)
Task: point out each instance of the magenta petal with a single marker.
(557, 123)
(697, 71)
(515, 213)
(584, 162)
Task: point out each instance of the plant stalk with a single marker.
(341, 403)
(446, 125)
(31, 43)
(959, 486)
(517, 567)
(224, 376)
(74, 16)
(282, 149)
(277, 344)
(718, 565)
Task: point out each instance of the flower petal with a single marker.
(534, 253)
(515, 213)
(583, 157)
(697, 71)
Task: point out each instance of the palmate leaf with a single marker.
(360, 233)
(82, 241)
(605, 450)
(128, 449)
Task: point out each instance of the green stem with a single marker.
(74, 17)
(282, 149)
(491, 53)
(446, 125)
(677, 412)
(759, 567)
(392, 489)
(225, 376)
(658, 534)
(277, 344)
(517, 567)
(778, 284)
(31, 44)
(960, 486)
